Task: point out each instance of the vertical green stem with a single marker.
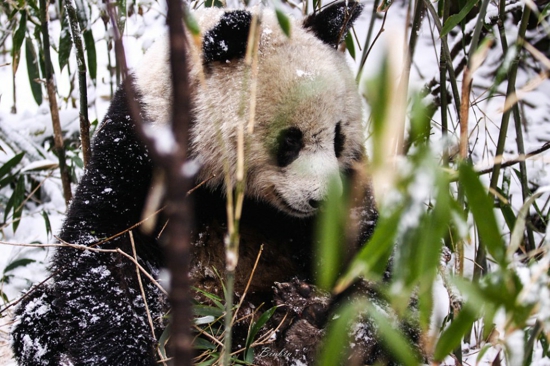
(367, 45)
(477, 31)
(443, 84)
(417, 22)
(523, 172)
(517, 122)
(228, 317)
(446, 54)
(481, 255)
(512, 74)
(82, 84)
(14, 93)
(54, 111)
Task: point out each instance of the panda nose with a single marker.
(315, 203)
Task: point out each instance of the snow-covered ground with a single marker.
(31, 123)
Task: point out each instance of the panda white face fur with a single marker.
(307, 125)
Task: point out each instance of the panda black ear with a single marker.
(331, 25)
(227, 40)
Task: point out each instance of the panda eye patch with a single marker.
(289, 143)
(339, 140)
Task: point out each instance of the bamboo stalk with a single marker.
(446, 54)
(82, 84)
(417, 22)
(443, 84)
(235, 195)
(367, 44)
(517, 123)
(50, 87)
(512, 74)
(481, 255)
(477, 31)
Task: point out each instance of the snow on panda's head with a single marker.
(307, 121)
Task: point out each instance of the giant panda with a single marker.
(307, 131)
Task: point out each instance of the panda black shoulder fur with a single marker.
(307, 129)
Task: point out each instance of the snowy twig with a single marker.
(142, 290)
(249, 281)
(519, 159)
(64, 244)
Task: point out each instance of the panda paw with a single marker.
(301, 300)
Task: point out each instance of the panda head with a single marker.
(307, 121)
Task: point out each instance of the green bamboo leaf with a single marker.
(519, 228)
(4, 182)
(201, 343)
(65, 42)
(15, 203)
(41, 58)
(509, 215)
(420, 127)
(393, 338)
(254, 329)
(12, 14)
(163, 340)
(284, 22)
(47, 223)
(481, 206)
(316, 5)
(379, 96)
(330, 230)
(19, 34)
(384, 6)
(8, 165)
(121, 21)
(544, 13)
(350, 46)
(215, 299)
(213, 3)
(337, 336)
(453, 20)
(33, 70)
(89, 43)
(262, 320)
(372, 260)
(191, 23)
(33, 5)
(453, 334)
(205, 310)
(215, 356)
(426, 249)
(18, 38)
(18, 263)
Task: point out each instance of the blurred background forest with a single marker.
(457, 125)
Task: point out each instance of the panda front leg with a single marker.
(35, 337)
(103, 316)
